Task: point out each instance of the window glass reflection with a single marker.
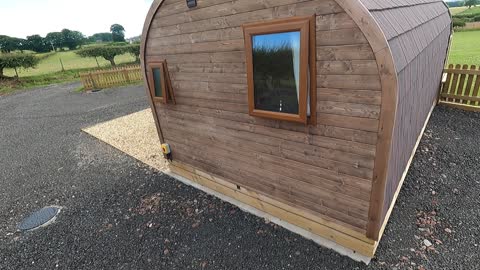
(157, 81)
(276, 71)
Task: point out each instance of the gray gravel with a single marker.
(120, 214)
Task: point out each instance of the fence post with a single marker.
(93, 81)
(125, 72)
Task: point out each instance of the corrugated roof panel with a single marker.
(387, 28)
(416, 40)
(398, 54)
(409, 26)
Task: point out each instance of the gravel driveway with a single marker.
(120, 214)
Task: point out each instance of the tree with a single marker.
(54, 40)
(37, 44)
(15, 61)
(470, 3)
(107, 52)
(118, 32)
(9, 44)
(101, 37)
(456, 4)
(72, 39)
(134, 50)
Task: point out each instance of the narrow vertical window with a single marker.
(279, 63)
(159, 82)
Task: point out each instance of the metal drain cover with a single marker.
(40, 218)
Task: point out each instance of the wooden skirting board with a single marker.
(343, 240)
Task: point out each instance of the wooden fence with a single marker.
(460, 87)
(111, 77)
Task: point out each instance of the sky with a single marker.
(21, 18)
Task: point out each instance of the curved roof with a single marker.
(417, 33)
(409, 25)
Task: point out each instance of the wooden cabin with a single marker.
(307, 112)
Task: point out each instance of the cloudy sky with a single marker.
(21, 18)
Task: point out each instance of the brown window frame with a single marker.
(307, 86)
(167, 90)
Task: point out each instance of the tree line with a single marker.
(59, 40)
(461, 3)
(64, 39)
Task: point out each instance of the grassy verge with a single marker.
(465, 48)
(52, 63)
(10, 85)
(457, 10)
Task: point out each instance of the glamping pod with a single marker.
(307, 112)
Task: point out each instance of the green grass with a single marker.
(465, 48)
(49, 70)
(71, 61)
(457, 10)
(8, 86)
(468, 11)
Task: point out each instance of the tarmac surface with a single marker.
(121, 214)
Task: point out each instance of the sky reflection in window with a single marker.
(276, 71)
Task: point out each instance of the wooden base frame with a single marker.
(343, 240)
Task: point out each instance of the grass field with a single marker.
(465, 48)
(465, 10)
(457, 10)
(71, 61)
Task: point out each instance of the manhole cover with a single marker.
(40, 218)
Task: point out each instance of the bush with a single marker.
(17, 61)
(467, 16)
(134, 50)
(457, 22)
(476, 18)
(107, 52)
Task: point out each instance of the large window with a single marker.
(159, 82)
(281, 69)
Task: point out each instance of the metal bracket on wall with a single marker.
(191, 3)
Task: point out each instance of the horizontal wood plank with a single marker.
(345, 52)
(237, 7)
(349, 109)
(353, 67)
(271, 183)
(204, 47)
(367, 82)
(350, 96)
(462, 97)
(348, 122)
(268, 161)
(194, 173)
(232, 176)
(337, 37)
(323, 226)
(236, 68)
(214, 57)
(334, 22)
(255, 131)
(210, 77)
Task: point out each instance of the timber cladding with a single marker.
(328, 169)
